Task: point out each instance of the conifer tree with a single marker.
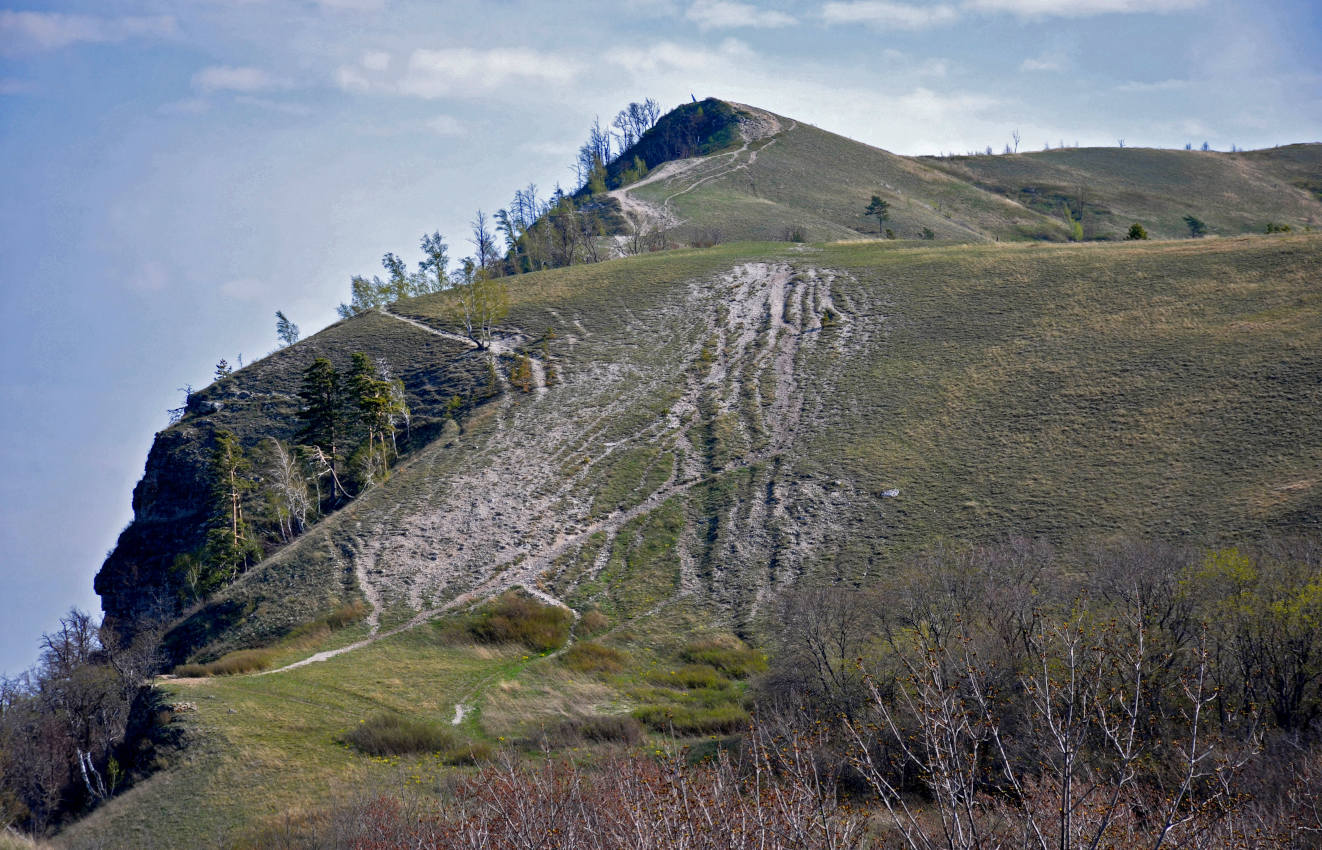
(230, 545)
(323, 419)
(285, 330)
(880, 209)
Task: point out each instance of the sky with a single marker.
(175, 171)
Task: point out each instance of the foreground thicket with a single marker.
(773, 797)
(1134, 695)
(63, 724)
(1006, 696)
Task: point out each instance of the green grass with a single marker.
(1233, 193)
(265, 744)
(592, 657)
(643, 569)
(1157, 389)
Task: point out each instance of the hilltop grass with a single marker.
(1234, 193)
(1080, 391)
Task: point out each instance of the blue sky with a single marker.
(175, 172)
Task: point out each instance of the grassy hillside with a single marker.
(727, 423)
(808, 179)
(788, 177)
(1232, 192)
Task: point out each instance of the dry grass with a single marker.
(592, 657)
(230, 664)
(515, 618)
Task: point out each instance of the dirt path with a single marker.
(643, 214)
(500, 514)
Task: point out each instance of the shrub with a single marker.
(345, 615)
(395, 734)
(593, 622)
(514, 618)
(1136, 232)
(231, 664)
(793, 233)
(595, 729)
(732, 658)
(590, 657)
(927, 233)
(693, 720)
(1197, 227)
(1276, 227)
(521, 373)
(690, 676)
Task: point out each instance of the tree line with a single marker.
(533, 232)
(65, 724)
(264, 497)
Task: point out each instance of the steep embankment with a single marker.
(748, 411)
(139, 581)
(728, 422)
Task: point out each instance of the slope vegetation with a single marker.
(784, 178)
(656, 447)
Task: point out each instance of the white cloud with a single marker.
(1041, 63)
(296, 109)
(243, 289)
(725, 14)
(350, 78)
(666, 56)
(883, 14)
(376, 60)
(1159, 86)
(36, 31)
(447, 125)
(465, 71)
(1080, 8)
(187, 106)
(239, 79)
(353, 5)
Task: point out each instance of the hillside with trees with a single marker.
(909, 523)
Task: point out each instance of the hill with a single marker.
(660, 446)
(784, 177)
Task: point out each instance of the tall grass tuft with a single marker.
(390, 734)
(514, 618)
(231, 664)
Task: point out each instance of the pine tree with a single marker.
(323, 418)
(377, 402)
(880, 209)
(230, 545)
(285, 330)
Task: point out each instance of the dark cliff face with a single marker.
(138, 583)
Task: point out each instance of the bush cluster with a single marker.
(390, 734)
(514, 618)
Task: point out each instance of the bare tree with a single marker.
(481, 300)
(484, 241)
